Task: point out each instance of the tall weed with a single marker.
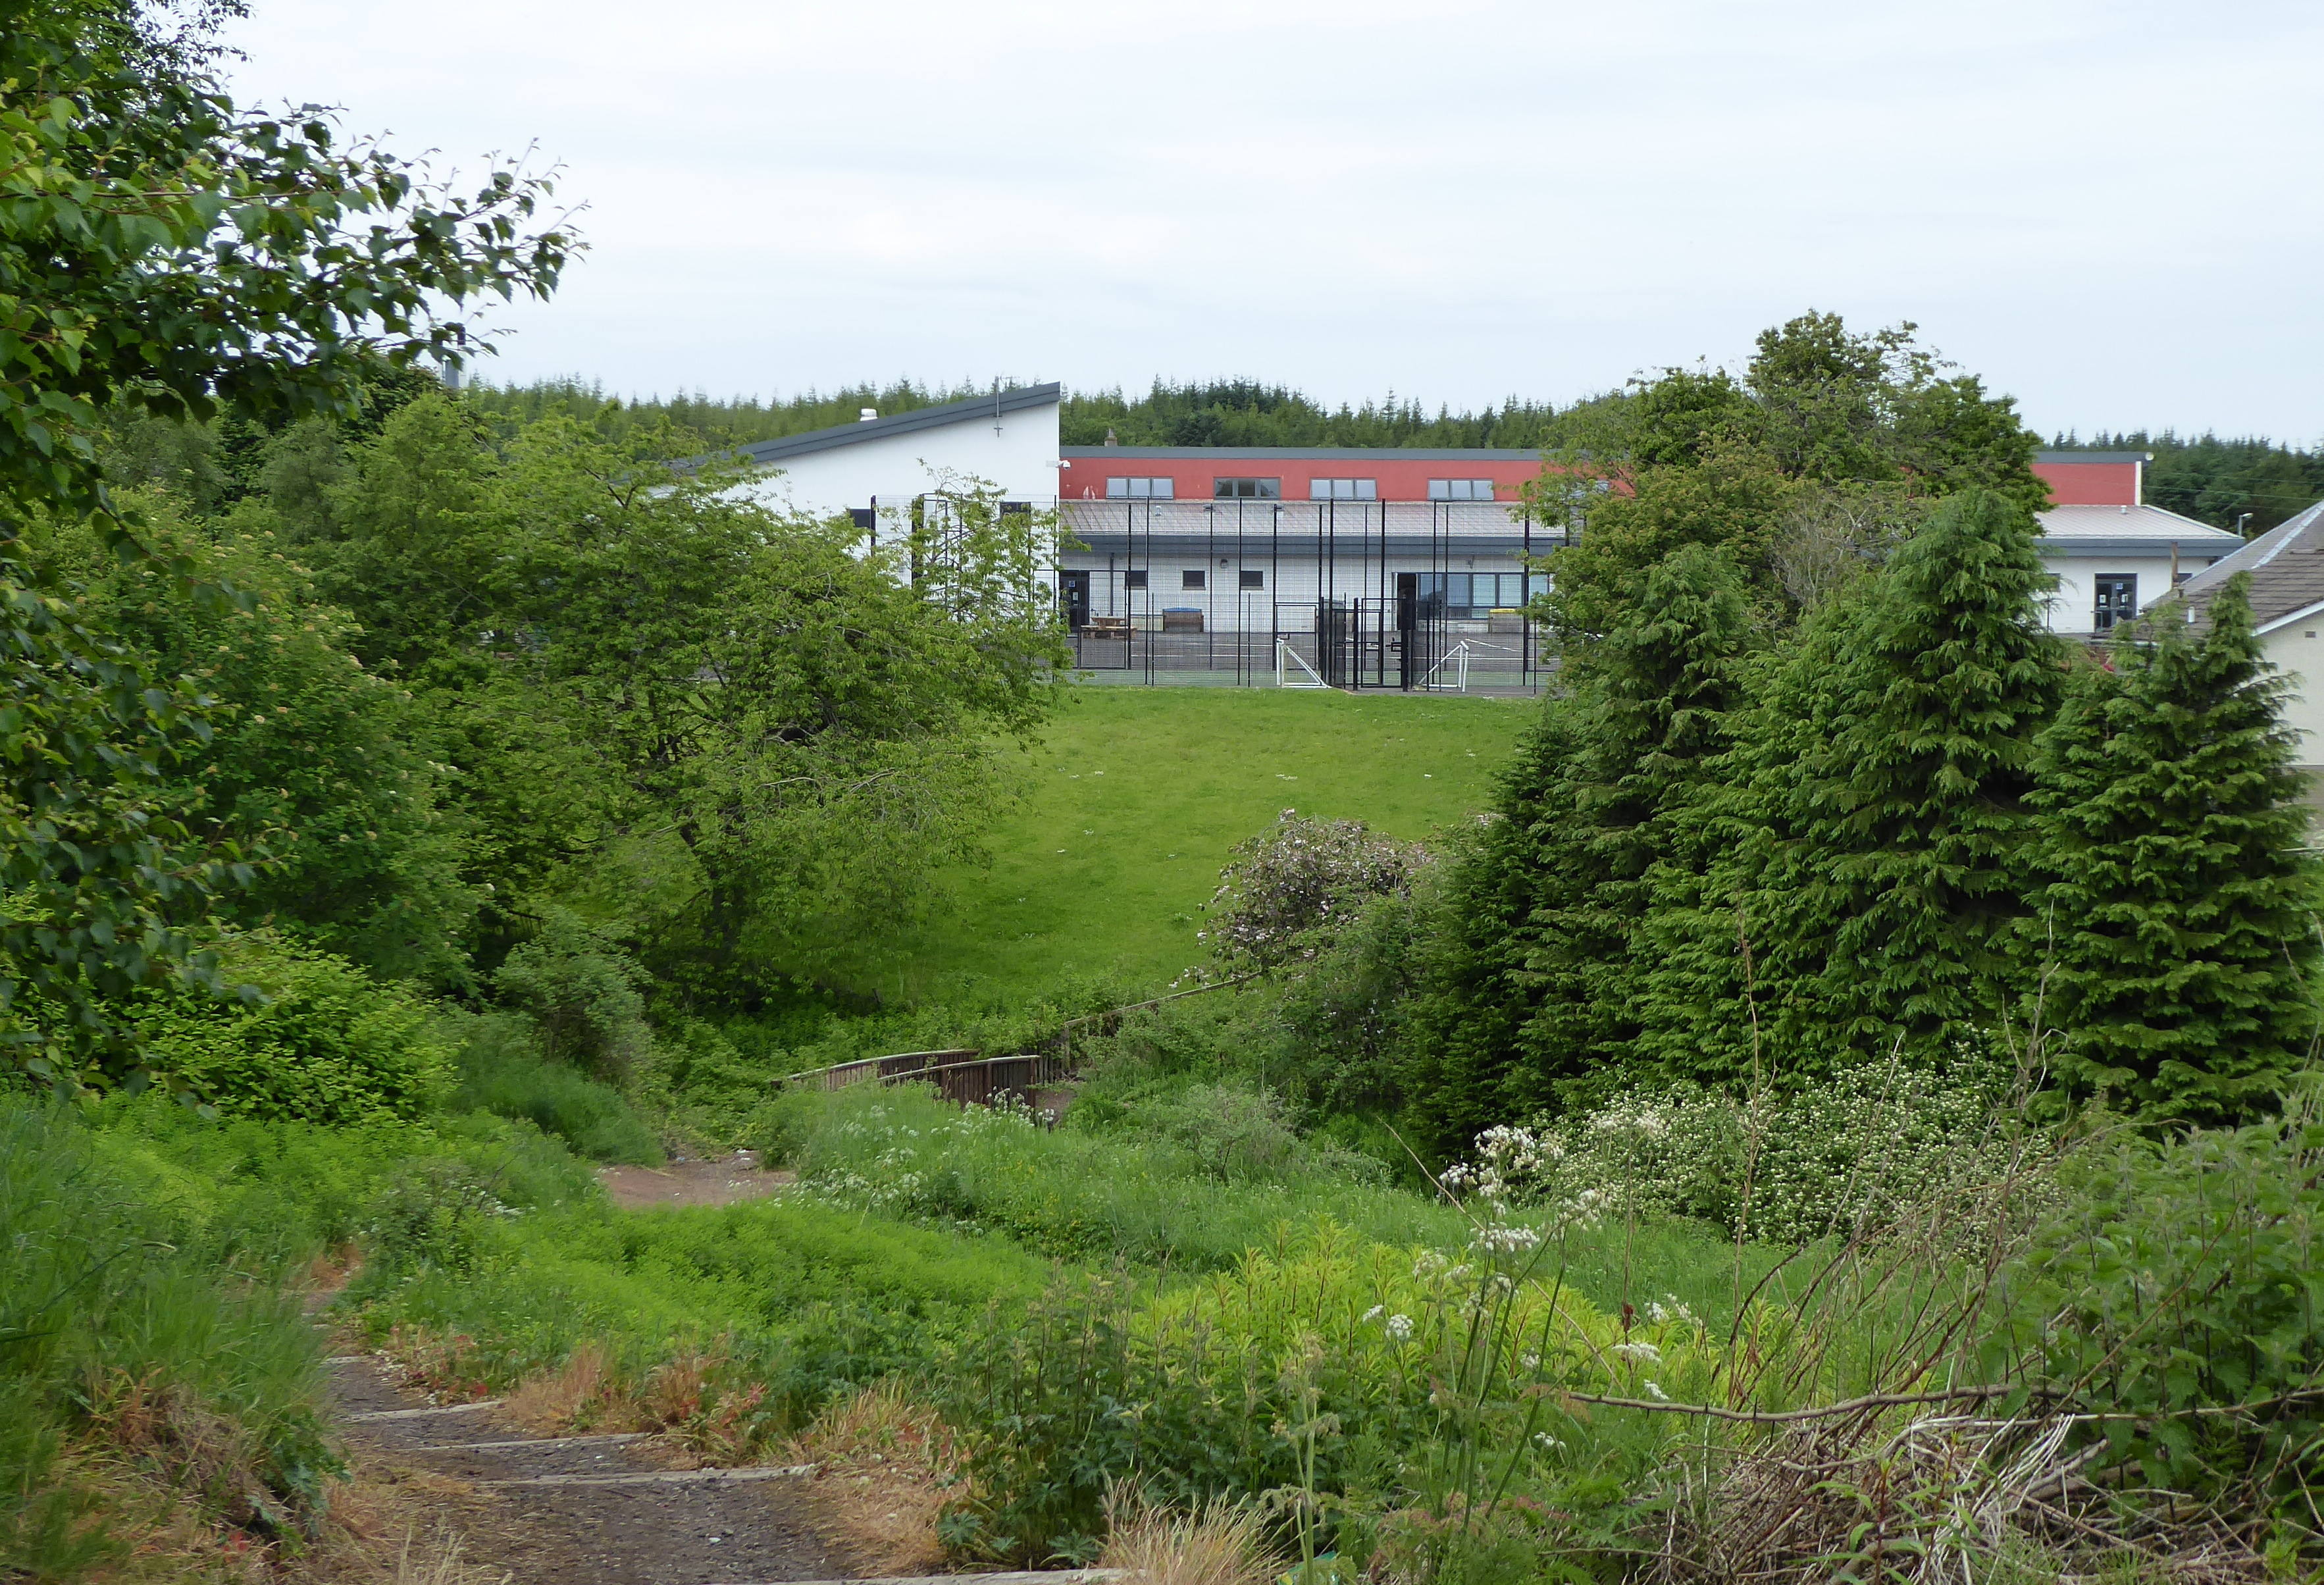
(160, 1337)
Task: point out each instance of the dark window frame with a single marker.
(1134, 578)
(1239, 488)
(2114, 599)
(1251, 578)
(1141, 487)
(1194, 578)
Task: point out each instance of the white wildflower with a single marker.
(1654, 1391)
(1399, 1327)
(1500, 1240)
(1638, 1354)
(1375, 1312)
(1545, 1442)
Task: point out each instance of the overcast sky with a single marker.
(2114, 211)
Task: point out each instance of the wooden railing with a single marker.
(968, 1077)
(964, 1077)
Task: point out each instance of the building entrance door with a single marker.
(1074, 598)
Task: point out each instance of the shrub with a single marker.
(311, 1037)
(2177, 1301)
(575, 980)
(1282, 895)
(1846, 1157)
(503, 1072)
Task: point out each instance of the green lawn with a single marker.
(1137, 793)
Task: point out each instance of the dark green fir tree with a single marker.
(1530, 1000)
(1864, 875)
(1658, 717)
(2174, 927)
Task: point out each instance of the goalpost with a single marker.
(1283, 678)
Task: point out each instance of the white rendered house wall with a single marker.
(1017, 454)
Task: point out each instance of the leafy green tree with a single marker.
(1476, 995)
(308, 750)
(166, 252)
(1870, 877)
(1730, 499)
(172, 252)
(99, 874)
(1824, 421)
(814, 728)
(1657, 720)
(2174, 923)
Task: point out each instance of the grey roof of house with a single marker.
(1016, 399)
(2143, 531)
(2117, 456)
(2286, 565)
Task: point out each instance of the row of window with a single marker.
(1195, 578)
(1132, 487)
(1458, 591)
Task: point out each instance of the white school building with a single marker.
(1396, 568)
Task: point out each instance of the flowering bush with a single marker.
(1284, 893)
(1847, 1157)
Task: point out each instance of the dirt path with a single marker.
(723, 1182)
(479, 1475)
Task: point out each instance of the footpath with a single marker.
(615, 1508)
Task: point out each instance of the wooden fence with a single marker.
(964, 1077)
(970, 1079)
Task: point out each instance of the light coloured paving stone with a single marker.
(480, 1404)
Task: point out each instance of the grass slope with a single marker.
(1137, 795)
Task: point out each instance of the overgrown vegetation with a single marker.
(1847, 1110)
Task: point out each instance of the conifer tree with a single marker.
(2174, 915)
(1530, 996)
(1862, 879)
(1656, 729)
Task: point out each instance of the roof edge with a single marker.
(2287, 619)
(1014, 399)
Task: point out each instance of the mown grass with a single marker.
(1136, 794)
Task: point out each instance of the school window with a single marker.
(1135, 579)
(1460, 489)
(1252, 578)
(1247, 489)
(1190, 580)
(1343, 489)
(1136, 489)
(2118, 600)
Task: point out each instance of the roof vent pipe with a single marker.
(867, 415)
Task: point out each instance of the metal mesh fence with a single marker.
(1417, 596)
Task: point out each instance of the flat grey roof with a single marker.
(1016, 399)
(1293, 453)
(2094, 456)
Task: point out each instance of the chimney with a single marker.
(867, 415)
(1111, 438)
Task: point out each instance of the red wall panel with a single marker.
(2090, 484)
(1191, 477)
